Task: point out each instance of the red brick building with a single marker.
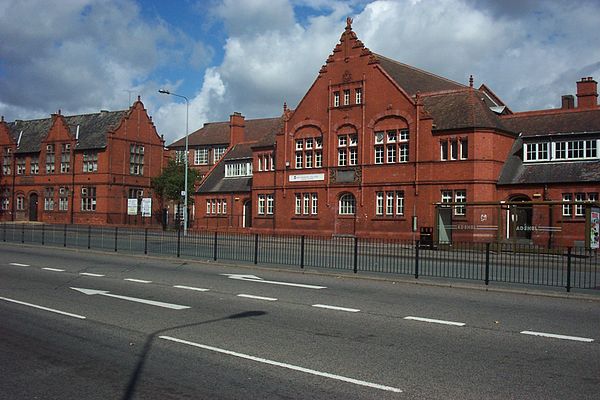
(81, 169)
(376, 148)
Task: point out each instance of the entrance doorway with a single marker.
(247, 214)
(444, 224)
(33, 207)
(520, 219)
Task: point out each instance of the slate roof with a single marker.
(554, 122)
(93, 130)
(216, 182)
(218, 132)
(462, 109)
(516, 172)
(414, 80)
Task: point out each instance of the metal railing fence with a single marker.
(566, 267)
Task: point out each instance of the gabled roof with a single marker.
(549, 122)
(414, 80)
(93, 130)
(460, 109)
(218, 132)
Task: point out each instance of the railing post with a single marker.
(65, 236)
(215, 247)
(116, 237)
(43, 234)
(487, 263)
(22, 233)
(146, 241)
(178, 241)
(302, 252)
(569, 269)
(255, 248)
(355, 254)
(89, 236)
(417, 245)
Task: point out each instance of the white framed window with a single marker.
(453, 149)
(579, 208)
(460, 196)
(261, 204)
(34, 166)
(389, 203)
(201, 156)
(444, 150)
(306, 156)
(347, 204)
(464, 148)
(20, 203)
(20, 161)
(298, 208)
(379, 203)
(63, 199)
(218, 153)
(318, 159)
(90, 161)
(446, 196)
(309, 159)
(395, 144)
(358, 96)
(306, 204)
(299, 144)
(50, 159)
(399, 202)
(65, 158)
(88, 198)
(238, 169)
(49, 199)
(136, 159)
(336, 99)
(342, 160)
(567, 209)
(270, 204)
(346, 97)
(314, 203)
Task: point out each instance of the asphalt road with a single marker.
(86, 325)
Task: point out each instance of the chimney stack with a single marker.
(568, 102)
(587, 93)
(236, 128)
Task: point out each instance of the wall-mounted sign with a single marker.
(147, 207)
(595, 228)
(132, 206)
(306, 177)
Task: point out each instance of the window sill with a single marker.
(389, 218)
(305, 217)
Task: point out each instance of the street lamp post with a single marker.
(185, 159)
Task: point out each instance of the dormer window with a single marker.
(571, 150)
(238, 169)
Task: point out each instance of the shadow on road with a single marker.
(149, 341)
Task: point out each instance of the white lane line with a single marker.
(90, 274)
(336, 308)
(136, 280)
(43, 308)
(19, 265)
(555, 336)
(53, 269)
(284, 365)
(191, 288)
(250, 296)
(436, 321)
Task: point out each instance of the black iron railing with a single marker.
(487, 262)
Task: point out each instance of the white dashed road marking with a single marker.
(336, 308)
(436, 321)
(137, 280)
(90, 274)
(19, 265)
(53, 269)
(249, 296)
(555, 336)
(191, 288)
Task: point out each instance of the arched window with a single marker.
(347, 204)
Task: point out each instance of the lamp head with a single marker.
(163, 91)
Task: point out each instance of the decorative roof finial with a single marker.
(348, 23)
(471, 81)
(2, 118)
(284, 106)
(139, 99)
(59, 111)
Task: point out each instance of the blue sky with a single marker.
(252, 55)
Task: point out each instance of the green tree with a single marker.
(170, 184)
